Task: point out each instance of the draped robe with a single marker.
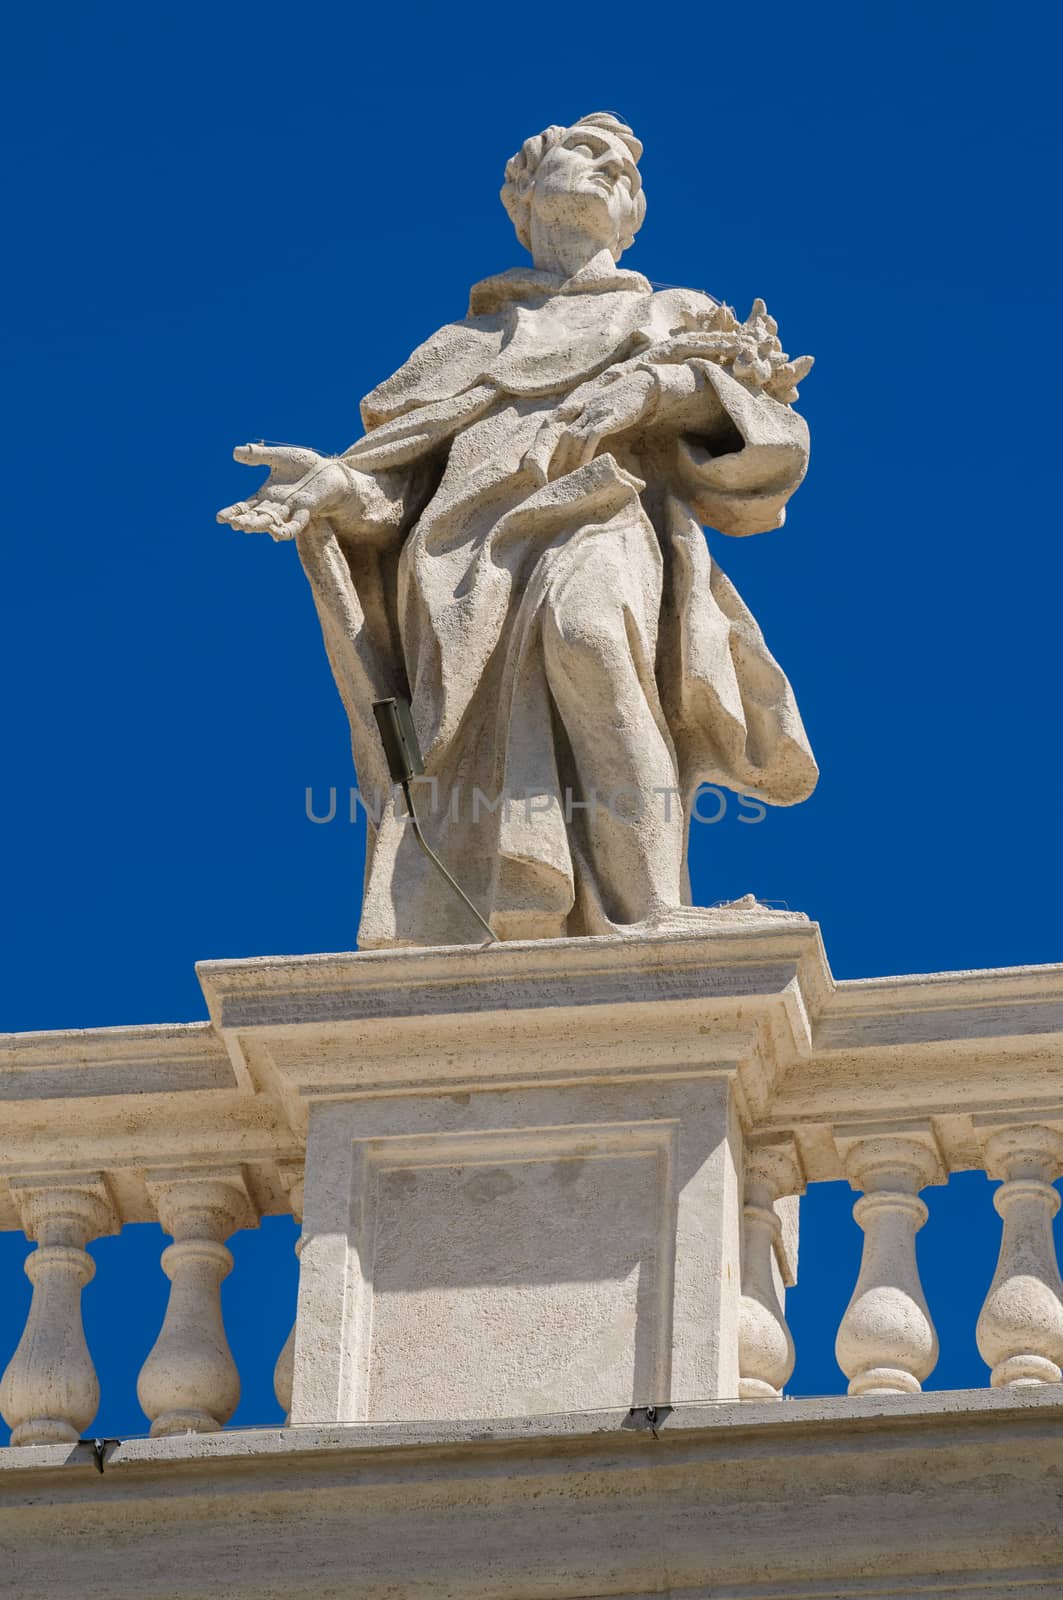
(559, 641)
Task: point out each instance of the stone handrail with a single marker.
(114, 1125)
(677, 1093)
(909, 1080)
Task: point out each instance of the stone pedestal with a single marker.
(523, 1184)
(518, 1171)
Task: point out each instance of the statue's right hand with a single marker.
(301, 485)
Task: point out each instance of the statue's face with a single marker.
(588, 181)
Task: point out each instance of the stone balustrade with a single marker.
(118, 1125)
(536, 1178)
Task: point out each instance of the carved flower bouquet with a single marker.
(749, 350)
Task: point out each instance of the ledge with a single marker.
(744, 953)
(733, 993)
(90, 1063)
(946, 1494)
(723, 1424)
(748, 994)
(925, 1008)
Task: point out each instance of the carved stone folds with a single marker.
(50, 1393)
(189, 1382)
(1020, 1329)
(765, 1347)
(887, 1343)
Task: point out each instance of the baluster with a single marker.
(886, 1343)
(50, 1392)
(284, 1371)
(765, 1348)
(1020, 1329)
(189, 1382)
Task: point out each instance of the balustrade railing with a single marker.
(49, 1392)
(887, 1342)
(189, 1383)
(119, 1126)
(284, 1371)
(196, 1128)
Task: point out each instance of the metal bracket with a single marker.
(99, 1450)
(648, 1417)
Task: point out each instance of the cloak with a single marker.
(471, 586)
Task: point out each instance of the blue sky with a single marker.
(229, 222)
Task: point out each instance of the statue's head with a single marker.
(583, 177)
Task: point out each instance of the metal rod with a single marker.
(434, 859)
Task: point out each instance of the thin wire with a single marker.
(706, 292)
(289, 488)
(430, 853)
(283, 444)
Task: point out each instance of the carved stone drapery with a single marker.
(544, 469)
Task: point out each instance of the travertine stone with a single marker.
(282, 1372)
(524, 1252)
(189, 1382)
(1020, 1329)
(949, 1495)
(765, 1345)
(958, 1047)
(886, 1343)
(515, 544)
(511, 1095)
(741, 989)
(50, 1392)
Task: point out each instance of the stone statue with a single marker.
(515, 545)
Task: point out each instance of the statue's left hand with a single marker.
(301, 485)
(597, 411)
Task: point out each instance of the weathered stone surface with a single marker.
(515, 546)
(952, 1495)
(495, 1143)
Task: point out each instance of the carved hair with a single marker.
(521, 168)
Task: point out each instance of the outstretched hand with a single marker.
(301, 485)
